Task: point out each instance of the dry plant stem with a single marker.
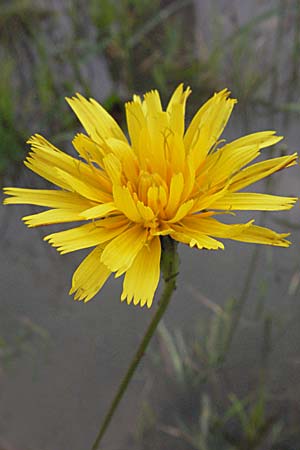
(169, 266)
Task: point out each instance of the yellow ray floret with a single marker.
(52, 216)
(164, 180)
(141, 279)
(120, 252)
(260, 170)
(82, 237)
(95, 119)
(90, 276)
(253, 202)
(44, 197)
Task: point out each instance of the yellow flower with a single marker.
(164, 181)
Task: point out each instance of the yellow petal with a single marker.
(45, 157)
(176, 189)
(176, 154)
(88, 149)
(212, 227)
(95, 119)
(195, 238)
(163, 230)
(83, 188)
(261, 235)
(253, 202)
(43, 197)
(162, 196)
(127, 157)
(85, 236)
(53, 216)
(135, 122)
(142, 278)
(260, 170)
(125, 203)
(261, 138)
(224, 163)
(120, 253)
(176, 110)
(152, 196)
(199, 118)
(176, 97)
(45, 170)
(177, 119)
(144, 149)
(207, 126)
(189, 178)
(98, 211)
(145, 181)
(120, 149)
(152, 103)
(238, 232)
(158, 131)
(89, 277)
(115, 221)
(182, 211)
(209, 198)
(179, 96)
(145, 212)
(113, 168)
(157, 199)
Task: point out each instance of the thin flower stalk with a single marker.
(170, 265)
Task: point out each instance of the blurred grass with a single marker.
(11, 137)
(201, 400)
(24, 341)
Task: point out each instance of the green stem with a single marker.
(169, 267)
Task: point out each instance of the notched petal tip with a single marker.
(36, 139)
(28, 223)
(216, 245)
(76, 96)
(80, 295)
(136, 301)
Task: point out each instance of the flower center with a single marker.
(152, 190)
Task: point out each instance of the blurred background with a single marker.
(223, 373)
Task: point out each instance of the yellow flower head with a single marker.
(163, 181)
